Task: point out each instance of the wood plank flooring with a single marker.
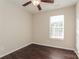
(35, 51)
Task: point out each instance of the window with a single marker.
(57, 27)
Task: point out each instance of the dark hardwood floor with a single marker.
(34, 51)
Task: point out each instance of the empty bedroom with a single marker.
(39, 29)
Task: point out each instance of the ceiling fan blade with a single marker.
(48, 1)
(39, 7)
(27, 3)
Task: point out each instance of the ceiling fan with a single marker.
(37, 3)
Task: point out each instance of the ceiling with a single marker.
(45, 6)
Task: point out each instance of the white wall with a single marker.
(77, 27)
(15, 27)
(41, 27)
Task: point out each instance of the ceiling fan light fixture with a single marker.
(36, 2)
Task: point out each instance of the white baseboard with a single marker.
(15, 50)
(53, 46)
(77, 53)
